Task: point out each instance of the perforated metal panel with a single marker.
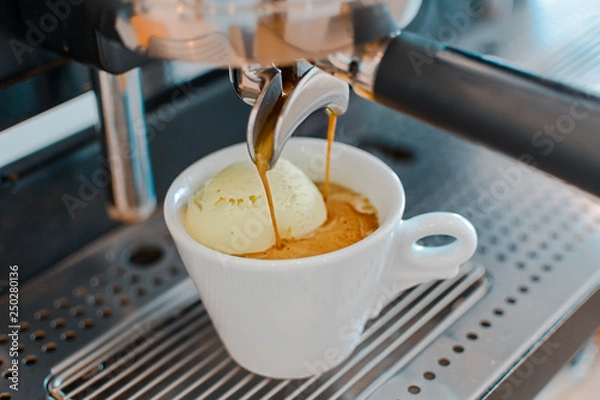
(77, 302)
(177, 354)
(539, 242)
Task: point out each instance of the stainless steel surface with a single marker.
(168, 348)
(551, 356)
(307, 91)
(556, 39)
(265, 107)
(246, 84)
(539, 244)
(210, 49)
(108, 283)
(358, 69)
(178, 354)
(249, 80)
(255, 31)
(315, 90)
(123, 125)
(539, 241)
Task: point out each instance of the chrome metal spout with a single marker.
(285, 99)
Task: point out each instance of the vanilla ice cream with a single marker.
(230, 213)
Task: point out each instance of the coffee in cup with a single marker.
(230, 214)
(350, 218)
(298, 308)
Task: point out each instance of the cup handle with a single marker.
(439, 262)
(423, 263)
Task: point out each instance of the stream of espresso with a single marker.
(263, 151)
(330, 136)
(350, 218)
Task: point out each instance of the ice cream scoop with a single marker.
(230, 212)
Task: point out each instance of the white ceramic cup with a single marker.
(298, 317)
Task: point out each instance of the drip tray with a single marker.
(176, 354)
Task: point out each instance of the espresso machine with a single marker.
(478, 114)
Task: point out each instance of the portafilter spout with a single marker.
(285, 99)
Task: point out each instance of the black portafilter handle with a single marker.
(543, 123)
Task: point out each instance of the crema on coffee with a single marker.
(350, 218)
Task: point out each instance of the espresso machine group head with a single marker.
(255, 38)
(307, 50)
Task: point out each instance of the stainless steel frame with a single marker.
(123, 125)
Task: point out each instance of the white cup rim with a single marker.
(183, 238)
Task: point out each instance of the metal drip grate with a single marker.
(90, 293)
(179, 355)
